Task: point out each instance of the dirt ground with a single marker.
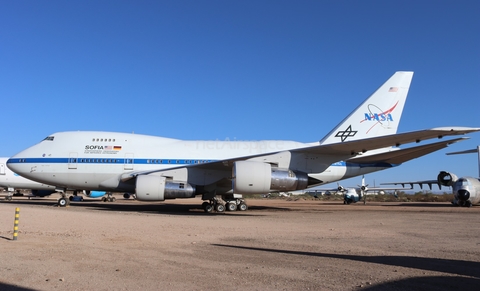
(275, 245)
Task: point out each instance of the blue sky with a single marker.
(244, 70)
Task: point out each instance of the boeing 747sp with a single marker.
(158, 168)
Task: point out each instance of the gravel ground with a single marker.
(275, 245)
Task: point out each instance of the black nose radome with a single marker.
(463, 195)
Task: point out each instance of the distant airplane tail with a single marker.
(378, 115)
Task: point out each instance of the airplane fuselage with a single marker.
(85, 160)
(466, 191)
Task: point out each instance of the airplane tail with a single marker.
(378, 115)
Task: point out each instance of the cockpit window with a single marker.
(49, 138)
(462, 182)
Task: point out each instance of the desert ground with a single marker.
(275, 245)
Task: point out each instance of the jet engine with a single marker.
(94, 194)
(446, 178)
(42, 193)
(156, 188)
(261, 178)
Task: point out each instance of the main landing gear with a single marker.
(109, 198)
(63, 201)
(220, 205)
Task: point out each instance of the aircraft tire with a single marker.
(104, 199)
(114, 199)
(62, 202)
(208, 208)
(242, 207)
(231, 206)
(220, 208)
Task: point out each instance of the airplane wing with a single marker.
(402, 155)
(472, 151)
(419, 183)
(363, 145)
(216, 170)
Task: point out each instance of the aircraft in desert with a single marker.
(355, 194)
(158, 168)
(12, 182)
(466, 190)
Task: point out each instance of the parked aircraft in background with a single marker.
(466, 190)
(13, 183)
(157, 168)
(355, 194)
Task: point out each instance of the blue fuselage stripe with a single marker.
(155, 161)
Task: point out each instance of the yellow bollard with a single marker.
(15, 225)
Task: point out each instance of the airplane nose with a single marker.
(463, 195)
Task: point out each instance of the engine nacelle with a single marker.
(156, 188)
(446, 178)
(261, 178)
(42, 193)
(94, 194)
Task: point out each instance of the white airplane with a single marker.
(158, 168)
(466, 190)
(11, 181)
(355, 194)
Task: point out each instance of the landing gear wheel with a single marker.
(208, 208)
(114, 199)
(232, 206)
(62, 202)
(220, 207)
(242, 207)
(468, 204)
(104, 199)
(204, 204)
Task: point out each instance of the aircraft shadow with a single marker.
(9, 287)
(455, 267)
(153, 208)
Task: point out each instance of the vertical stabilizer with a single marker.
(378, 115)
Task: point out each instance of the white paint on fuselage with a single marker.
(10, 180)
(470, 184)
(83, 160)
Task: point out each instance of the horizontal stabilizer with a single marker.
(404, 155)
